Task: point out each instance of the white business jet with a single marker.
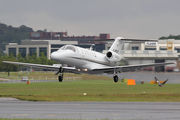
(91, 62)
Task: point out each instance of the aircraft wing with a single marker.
(65, 69)
(130, 67)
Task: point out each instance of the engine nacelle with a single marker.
(113, 56)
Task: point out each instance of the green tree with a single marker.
(9, 34)
(28, 59)
(20, 58)
(43, 59)
(176, 37)
(8, 67)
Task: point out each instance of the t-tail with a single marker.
(113, 54)
(117, 45)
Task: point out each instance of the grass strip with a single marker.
(96, 90)
(105, 97)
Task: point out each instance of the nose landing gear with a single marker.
(60, 72)
(60, 77)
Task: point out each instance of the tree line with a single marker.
(9, 34)
(176, 37)
(28, 59)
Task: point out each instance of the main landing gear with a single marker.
(60, 72)
(115, 78)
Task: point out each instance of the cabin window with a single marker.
(86, 52)
(91, 53)
(94, 54)
(77, 50)
(81, 51)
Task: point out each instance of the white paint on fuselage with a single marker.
(81, 58)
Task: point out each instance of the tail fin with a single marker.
(117, 45)
(119, 41)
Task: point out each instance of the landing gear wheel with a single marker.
(115, 78)
(60, 72)
(60, 78)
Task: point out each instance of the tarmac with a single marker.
(149, 76)
(14, 108)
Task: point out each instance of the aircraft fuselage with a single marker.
(81, 59)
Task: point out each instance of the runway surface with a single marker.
(13, 108)
(148, 76)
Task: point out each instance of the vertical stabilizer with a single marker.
(117, 45)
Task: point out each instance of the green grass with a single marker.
(47, 75)
(97, 90)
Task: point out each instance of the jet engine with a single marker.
(113, 56)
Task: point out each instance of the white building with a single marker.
(31, 46)
(133, 52)
(151, 52)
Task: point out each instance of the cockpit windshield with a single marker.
(70, 48)
(62, 48)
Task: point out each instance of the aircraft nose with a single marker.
(54, 55)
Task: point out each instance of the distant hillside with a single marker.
(9, 34)
(176, 37)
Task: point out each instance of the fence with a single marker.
(40, 80)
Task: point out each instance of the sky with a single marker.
(146, 19)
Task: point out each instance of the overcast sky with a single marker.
(149, 19)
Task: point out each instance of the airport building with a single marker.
(46, 46)
(151, 52)
(132, 53)
(31, 46)
(63, 36)
(47, 42)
